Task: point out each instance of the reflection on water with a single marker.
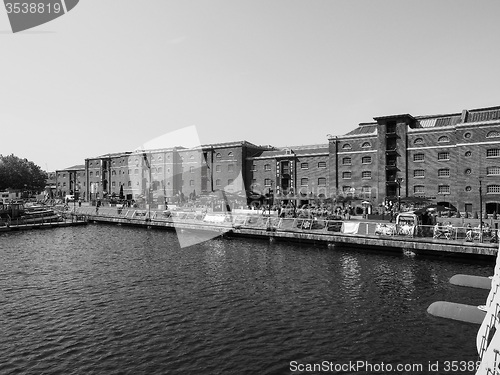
(114, 300)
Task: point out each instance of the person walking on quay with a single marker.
(468, 233)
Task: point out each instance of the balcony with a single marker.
(392, 151)
(392, 135)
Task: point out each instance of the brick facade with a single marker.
(70, 181)
(441, 157)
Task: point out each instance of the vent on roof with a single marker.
(484, 116)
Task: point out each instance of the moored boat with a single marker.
(17, 213)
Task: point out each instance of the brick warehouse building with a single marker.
(444, 158)
(171, 172)
(70, 181)
(293, 173)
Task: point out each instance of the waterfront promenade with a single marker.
(356, 232)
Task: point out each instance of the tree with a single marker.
(17, 173)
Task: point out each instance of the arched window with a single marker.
(493, 134)
(443, 139)
(218, 155)
(366, 145)
(346, 146)
(230, 153)
(418, 141)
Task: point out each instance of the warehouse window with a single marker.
(443, 189)
(492, 152)
(493, 189)
(445, 172)
(418, 157)
(443, 156)
(419, 173)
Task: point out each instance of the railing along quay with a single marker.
(363, 234)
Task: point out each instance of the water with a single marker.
(118, 300)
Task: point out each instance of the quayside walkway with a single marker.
(347, 233)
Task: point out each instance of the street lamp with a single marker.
(481, 208)
(398, 181)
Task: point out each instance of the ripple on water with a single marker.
(104, 299)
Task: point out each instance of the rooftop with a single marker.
(75, 167)
(437, 120)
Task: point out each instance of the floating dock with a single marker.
(48, 225)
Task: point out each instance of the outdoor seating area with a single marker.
(444, 231)
(405, 227)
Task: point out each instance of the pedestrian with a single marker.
(468, 233)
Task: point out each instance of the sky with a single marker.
(111, 75)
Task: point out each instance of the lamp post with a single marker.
(398, 181)
(481, 209)
(270, 197)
